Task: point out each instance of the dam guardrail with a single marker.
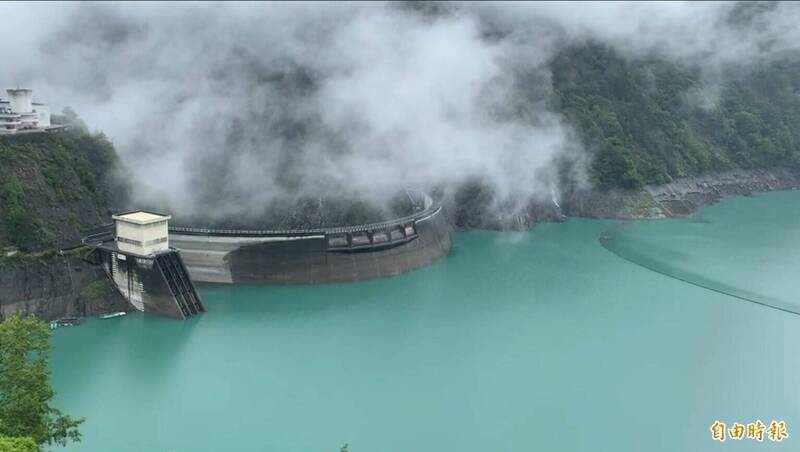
(430, 208)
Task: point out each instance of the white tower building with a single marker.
(22, 103)
(21, 99)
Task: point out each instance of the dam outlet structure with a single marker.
(143, 268)
(316, 256)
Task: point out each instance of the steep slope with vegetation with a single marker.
(649, 121)
(701, 134)
(53, 186)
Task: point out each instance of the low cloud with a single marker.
(226, 108)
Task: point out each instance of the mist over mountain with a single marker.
(231, 109)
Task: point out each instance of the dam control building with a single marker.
(141, 232)
(142, 266)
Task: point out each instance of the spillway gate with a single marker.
(179, 283)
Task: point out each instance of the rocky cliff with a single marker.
(52, 285)
(681, 197)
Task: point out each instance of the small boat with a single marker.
(113, 314)
(66, 321)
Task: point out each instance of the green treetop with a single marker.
(18, 445)
(25, 391)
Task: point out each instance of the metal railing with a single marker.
(430, 208)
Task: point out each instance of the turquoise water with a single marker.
(735, 249)
(541, 340)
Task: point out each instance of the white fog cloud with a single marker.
(239, 104)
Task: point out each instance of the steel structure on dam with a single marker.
(313, 256)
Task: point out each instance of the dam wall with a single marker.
(156, 283)
(315, 256)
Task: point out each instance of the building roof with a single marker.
(141, 217)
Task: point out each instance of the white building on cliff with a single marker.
(20, 113)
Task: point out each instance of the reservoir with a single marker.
(539, 340)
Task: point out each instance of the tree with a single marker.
(25, 391)
(19, 224)
(70, 118)
(18, 445)
(650, 120)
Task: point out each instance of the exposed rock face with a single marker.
(56, 287)
(612, 204)
(679, 198)
(685, 196)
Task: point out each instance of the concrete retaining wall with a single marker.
(297, 258)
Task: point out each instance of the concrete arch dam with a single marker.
(314, 256)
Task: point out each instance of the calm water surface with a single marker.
(541, 340)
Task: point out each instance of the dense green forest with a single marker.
(647, 121)
(53, 186)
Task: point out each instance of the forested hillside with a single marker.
(53, 186)
(642, 121)
(647, 121)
